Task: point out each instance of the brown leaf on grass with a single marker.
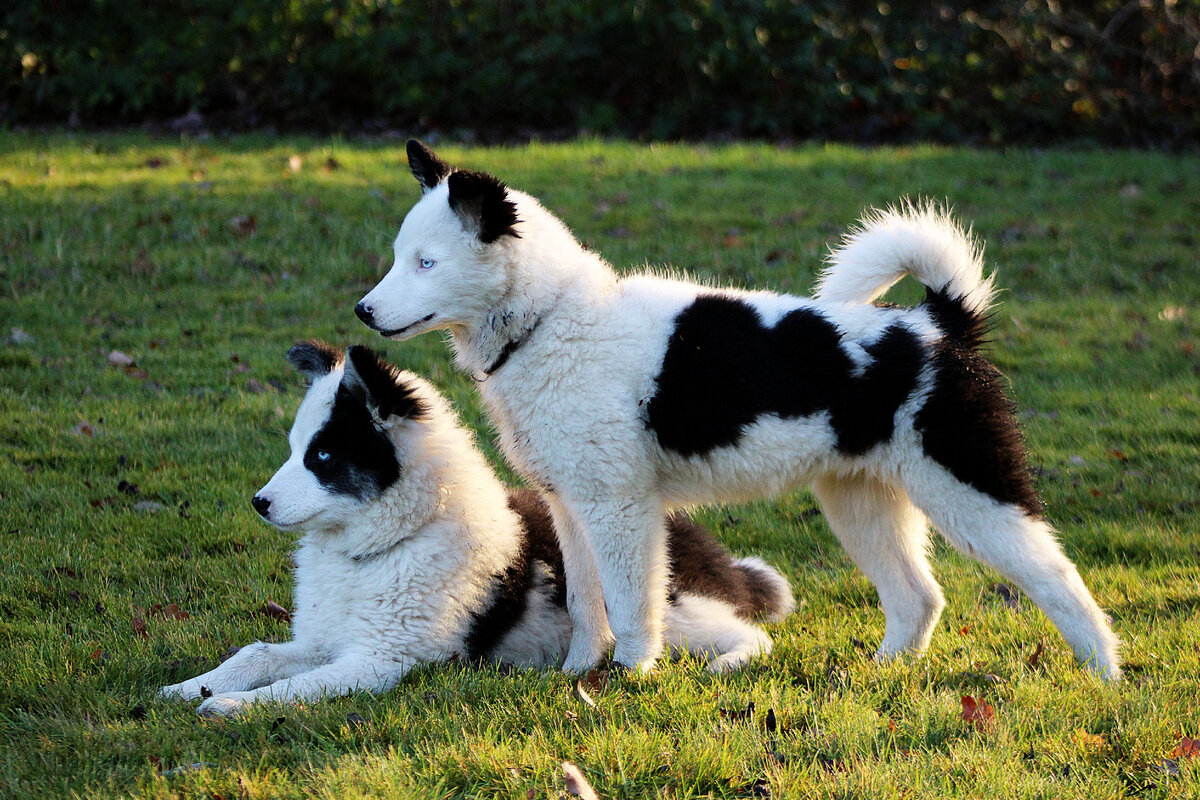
(139, 627)
(137, 372)
(739, 715)
(169, 611)
(1119, 455)
(978, 712)
(255, 386)
(276, 611)
(102, 502)
(595, 680)
(577, 785)
(243, 225)
(1090, 741)
(1035, 658)
(330, 164)
(581, 693)
(1186, 748)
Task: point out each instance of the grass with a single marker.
(202, 260)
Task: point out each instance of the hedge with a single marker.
(1108, 71)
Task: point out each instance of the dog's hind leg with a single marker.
(590, 634)
(1024, 549)
(629, 542)
(886, 536)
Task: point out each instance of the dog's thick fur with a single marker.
(412, 551)
(625, 396)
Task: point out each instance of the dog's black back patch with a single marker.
(538, 560)
(723, 369)
(350, 454)
(968, 423)
(700, 565)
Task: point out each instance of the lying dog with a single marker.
(624, 396)
(411, 551)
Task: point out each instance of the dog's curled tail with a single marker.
(921, 240)
(770, 592)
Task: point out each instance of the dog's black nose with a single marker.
(365, 313)
(261, 504)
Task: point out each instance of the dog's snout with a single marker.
(261, 504)
(365, 313)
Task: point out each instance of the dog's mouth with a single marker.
(388, 334)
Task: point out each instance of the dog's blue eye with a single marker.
(427, 263)
(323, 455)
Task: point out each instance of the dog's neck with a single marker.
(541, 289)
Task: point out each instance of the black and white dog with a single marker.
(622, 396)
(412, 551)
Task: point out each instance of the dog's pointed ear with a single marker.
(380, 386)
(313, 359)
(428, 169)
(483, 205)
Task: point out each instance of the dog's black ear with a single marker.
(313, 359)
(428, 169)
(380, 386)
(482, 204)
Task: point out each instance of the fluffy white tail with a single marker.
(918, 240)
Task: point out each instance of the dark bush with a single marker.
(1109, 71)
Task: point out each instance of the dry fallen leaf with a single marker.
(139, 627)
(1088, 740)
(1187, 748)
(577, 785)
(1035, 658)
(276, 611)
(978, 712)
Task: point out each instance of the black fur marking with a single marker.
(428, 169)
(723, 369)
(313, 358)
(969, 424)
(512, 586)
(701, 565)
(380, 386)
(349, 454)
(481, 201)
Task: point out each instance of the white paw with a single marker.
(583, 655)
(226, 705)
(635, 660)
(188, 690)
(728, 662)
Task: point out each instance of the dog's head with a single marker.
(346, 441)
(450, 254)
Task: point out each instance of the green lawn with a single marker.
(125, 487)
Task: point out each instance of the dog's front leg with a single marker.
(253, 666)
(628, 540)
(348, 673)
(590, 634)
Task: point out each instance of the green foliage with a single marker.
(146, 246)
(1109, 71)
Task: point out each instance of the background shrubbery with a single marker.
(1110, 71)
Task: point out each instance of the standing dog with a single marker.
(623, 396)
(412, 551)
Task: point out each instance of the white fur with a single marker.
(569, 406)
(385, 584)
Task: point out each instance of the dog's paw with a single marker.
(226, 705)
(188, 690)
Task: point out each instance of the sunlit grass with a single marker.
(203, 260)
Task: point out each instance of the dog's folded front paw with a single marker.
(188, 690)
(226, 705)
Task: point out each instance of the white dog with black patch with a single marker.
(625, 396)
(413, 552)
